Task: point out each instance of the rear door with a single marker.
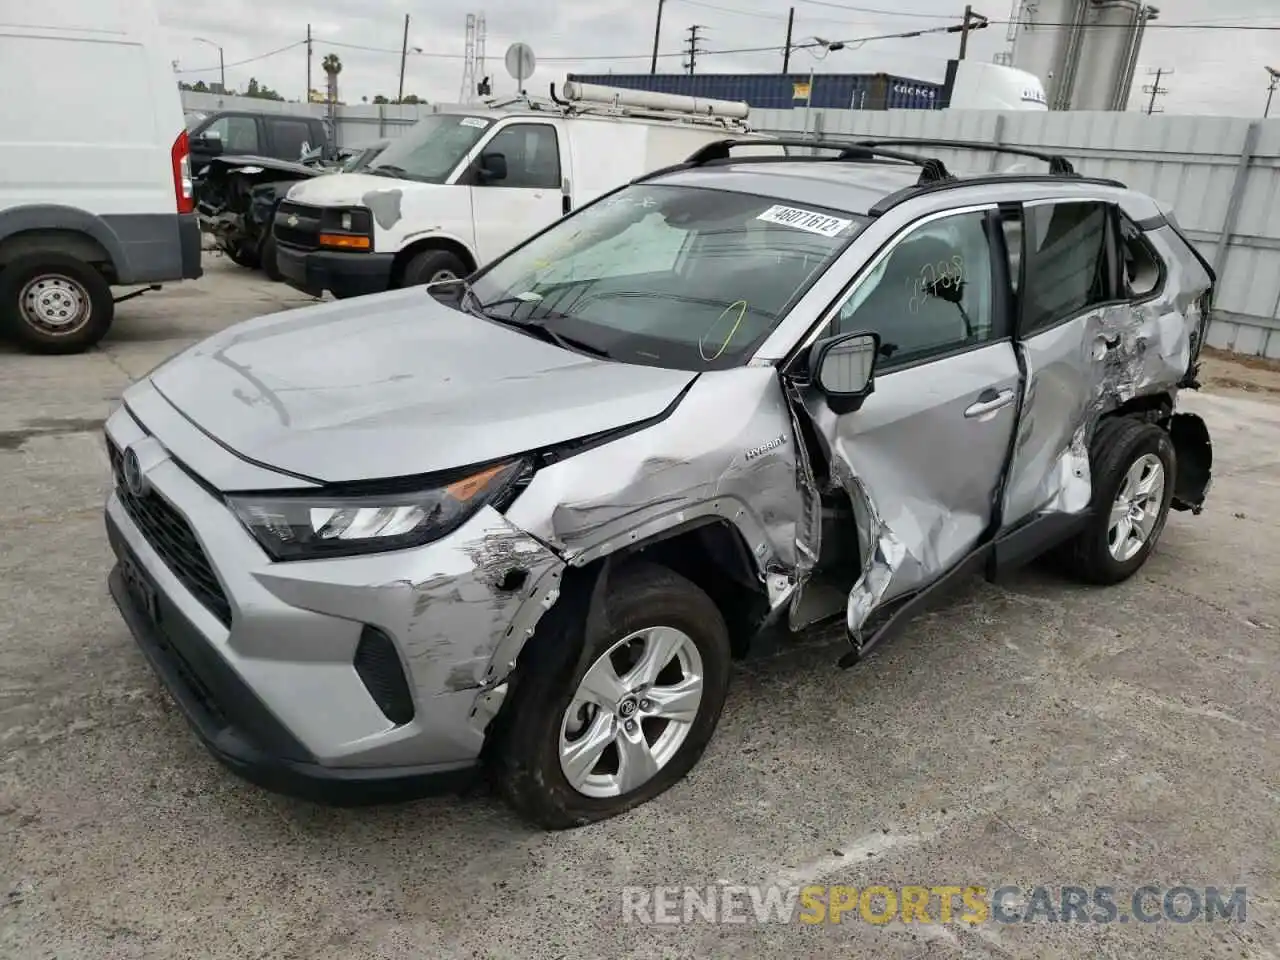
(923, 458)
(508, 210)
(290, 137)
(1067, 270)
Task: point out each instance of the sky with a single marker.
(1218, 65)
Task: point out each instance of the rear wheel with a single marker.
(432, 266)
(54, 303)
(1133, 465)
(241, 256)
(598, 728)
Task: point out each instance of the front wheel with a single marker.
(54, 303)
(597, 730)
(1133, 465)
(432, 266)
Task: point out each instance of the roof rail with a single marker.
(1059, 166)
(718, 151)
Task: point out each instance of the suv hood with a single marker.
(397, 384)
(348, 189)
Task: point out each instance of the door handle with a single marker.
(989, 401)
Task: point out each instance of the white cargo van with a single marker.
(95, 181)
(460, 188)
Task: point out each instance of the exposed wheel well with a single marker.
(69, 242)
(430, 243)
(1152, 408)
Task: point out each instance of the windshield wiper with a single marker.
(544, 332)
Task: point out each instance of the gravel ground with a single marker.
(1035, 733)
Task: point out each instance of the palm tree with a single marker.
(332, 66)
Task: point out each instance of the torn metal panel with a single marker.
(1082, 369)
(920, 468)
(727, 451)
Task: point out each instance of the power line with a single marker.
(240, 63)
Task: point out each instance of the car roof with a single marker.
(848, 187)
(871, 185)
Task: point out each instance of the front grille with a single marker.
(173, 539)
(305, 233)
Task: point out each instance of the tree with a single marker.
(260, 91)
(380, 99)
(332, 66)
(412, 98)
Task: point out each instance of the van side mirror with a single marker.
(493, 167)
(843, 368)
(206, 143)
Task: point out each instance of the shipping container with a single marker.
(785, 91)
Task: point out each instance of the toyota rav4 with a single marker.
(525, 521)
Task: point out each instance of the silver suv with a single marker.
(526, 521)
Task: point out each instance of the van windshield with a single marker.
(682, 277)
(431, 148)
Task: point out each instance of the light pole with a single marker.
(1271, 90)
(827, 47)
(222, 70)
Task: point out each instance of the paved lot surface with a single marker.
(1036, 733)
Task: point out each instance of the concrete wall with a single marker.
(1220, 175)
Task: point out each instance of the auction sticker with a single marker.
(473, 122)
(818, 223)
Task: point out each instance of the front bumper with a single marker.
(260, 656)
(343, 274)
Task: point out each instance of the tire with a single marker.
(241, 257)
(53, 303)
(1119, 446)
(430, 265)
(267, 257)
(527, 762)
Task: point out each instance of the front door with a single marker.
(507, 211)
(923, 458)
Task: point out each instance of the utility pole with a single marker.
(307, 98)
(1271, 89)
(786, 51)
(972, 21)
(693, 47)
(404, 52)
(657, 32)
(1155, 89)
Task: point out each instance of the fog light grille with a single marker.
(379, 669)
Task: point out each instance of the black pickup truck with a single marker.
(279, 136)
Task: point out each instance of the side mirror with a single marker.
(843, 368)
(493, 167)
(207, 144)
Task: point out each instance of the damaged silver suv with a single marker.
(526, 521)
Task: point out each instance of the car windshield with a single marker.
(431, 148)
(672, 276)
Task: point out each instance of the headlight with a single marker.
(311, 526)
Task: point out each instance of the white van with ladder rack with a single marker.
(463, 186)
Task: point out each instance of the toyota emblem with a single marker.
(293, 220)
(627, 707)
(134, 481)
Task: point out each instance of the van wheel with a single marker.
(267, 257)
(1133, 465)
(600, 726)
(54, 303)
(432, 266)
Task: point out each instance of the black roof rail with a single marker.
(718, 151)
(887, 203)
(1059, 166)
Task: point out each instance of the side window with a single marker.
(238, 134)
(532, 154)
(931, 294)
(292, 138)
(1066, 251)
(1143, 269)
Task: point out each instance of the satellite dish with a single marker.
(520, 63)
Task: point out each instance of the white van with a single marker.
(460, 188)
(95, 180)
